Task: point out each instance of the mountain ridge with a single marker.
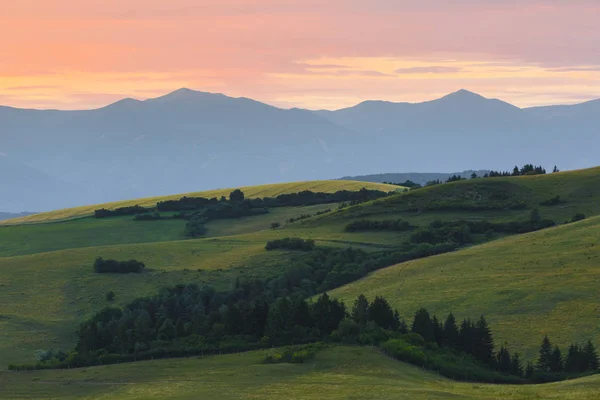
(188, 141)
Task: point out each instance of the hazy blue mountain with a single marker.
(189, 140)
(180, 142)
(24, 188)
(464, 130)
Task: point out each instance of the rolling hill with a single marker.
(260, 191)
(540, 282)
(336, 373)
(188, 141)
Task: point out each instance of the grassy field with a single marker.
(335, 373)
(88, 232)
(271, 190)
(541, 283)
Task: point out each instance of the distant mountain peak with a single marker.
(464, 94)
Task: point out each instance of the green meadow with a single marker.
(528, 285)
(335, 373)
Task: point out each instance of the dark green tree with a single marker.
(590, 356)
(381, 313)
(544, 361)
(484, 345)
(504, 360)
(237, 196)
(556, 360)
(574, 362)
(423, 325)
(450, 332)
(360, 311)
(516, 367)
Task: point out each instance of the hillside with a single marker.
(260, 191)
(188, 140)
(48, 284)
(543, 283)
(336, 373)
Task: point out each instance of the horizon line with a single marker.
(185, 89)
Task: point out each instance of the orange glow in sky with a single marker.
(77, 54)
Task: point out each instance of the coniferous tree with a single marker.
(381, 313)
(484, 346)
(529, 370)
(590, 356)
(516, 171)
(516, 365)
(466, 337)
(360, 311)
(438, 330)
(423, 325)
(574, 360)
(504, 360)
(545, 358)
(556, 360)
(450, 332)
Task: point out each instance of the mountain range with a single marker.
(189, 141)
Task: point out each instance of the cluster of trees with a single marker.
(398, 225)
(187, 320)
(579, 359)
(304, 198)
(118, 212)
(455, 178)
(291, 244)
(527, 169)
(194, 227)
(122, 267)
(462, 231)
(408, 183)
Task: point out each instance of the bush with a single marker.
(551, 202)
(122, 267)
(366, 225)
(291, 244)
(275, 225)
(110, 296)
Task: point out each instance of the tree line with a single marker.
(189, 320)
(103, 266)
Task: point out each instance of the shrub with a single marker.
(275, 225)
(122, 267)
(291, 244)
(110, 296)
(367, 225)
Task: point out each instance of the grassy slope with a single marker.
(48, 293)
(271, 190)
(336, 373)
(88, 232)
(579, 191)
(543, 282)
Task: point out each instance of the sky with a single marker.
(79, 54)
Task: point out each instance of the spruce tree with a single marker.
(545, 359)
(381, 313)
(360, 311)
(529, 370)
(590, 357)
(516, 366)
(484, 344)
(574, 361)
(450, 332)
(556, 360)
(438, 330)
(503, 360)
(423, 326)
